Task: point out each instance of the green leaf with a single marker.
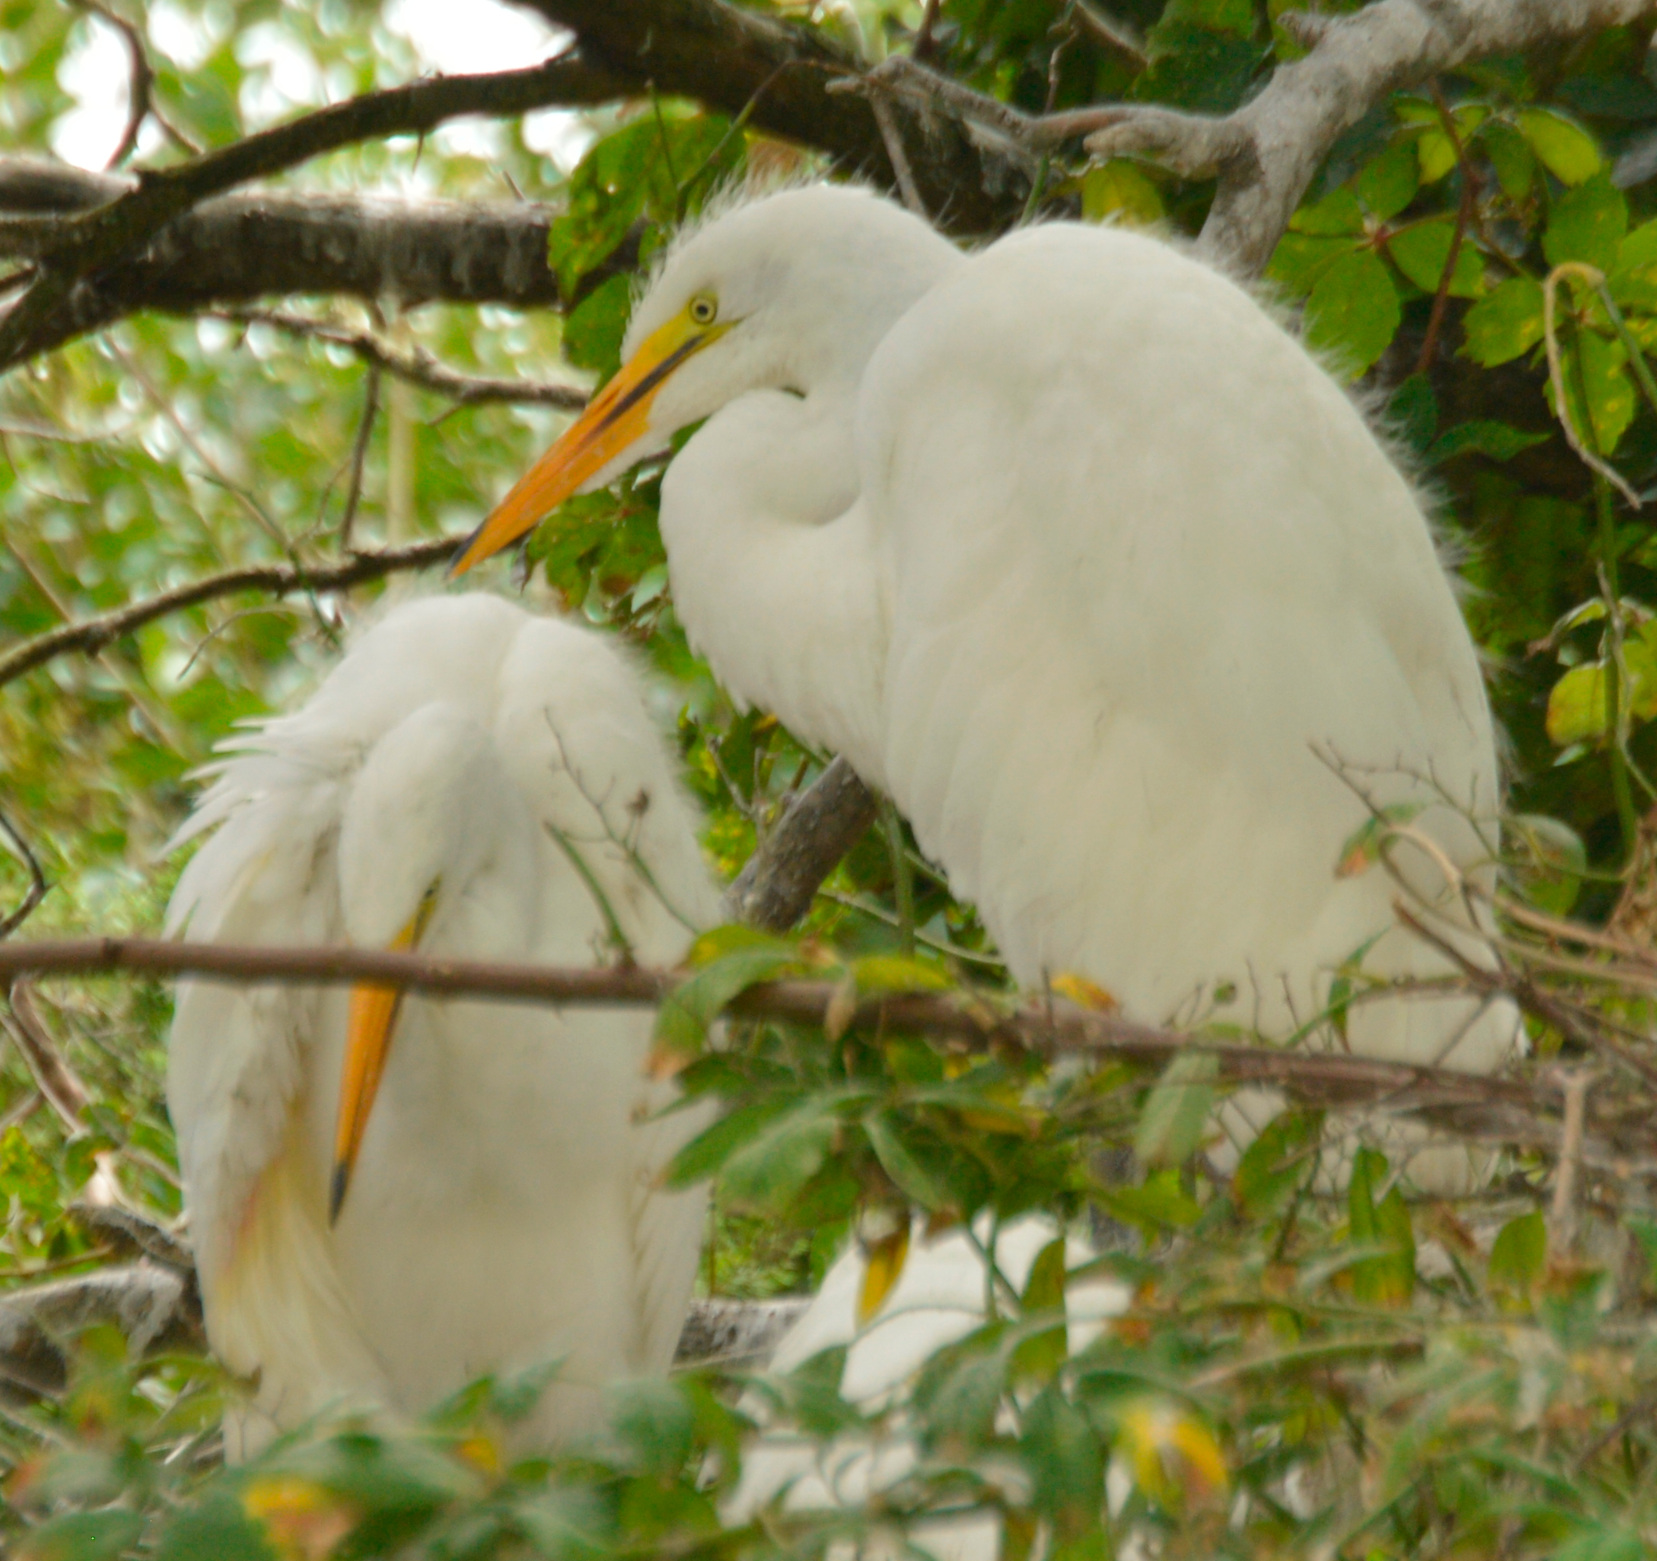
(1062, 1452)
(1387, 184)
(912, 1163)
(1598, 365)
(1413, 411)
(1505, 322)
(1300, 259)
(1565, 149)
(594, 330)
(1121, 189)
(683, 1019)
(1511, 156)
(1338, 214)
(1155, 1206)
(1277, 1163)
(1578, 705)
(703, 1156)
(1387, 1280)
(94, 1536)
(1549, 860)
(1422, 250)
(1043, 1354)
(767, 1172)
(1362, 849)
(1519, 1256)
(1587, 224)
(1482, 436)
(877, 974)
(1176, 1111)
(1353, 311)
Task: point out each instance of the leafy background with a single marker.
(1297, 1374)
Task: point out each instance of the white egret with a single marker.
(938, 1299)
(1075, 552)
(390, 1199)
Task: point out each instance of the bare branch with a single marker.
(417, 367)
(777, 72)
(241, 247)
(52, 1075)
(140, 78)
(1474, 1106)
(92, 635)
(94, 240)
(36, 891)
(775, 887)
(1267, 151)
(359, 455)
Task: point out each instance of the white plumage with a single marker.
(1071, 548)
(939, 1298)
(502, 1211)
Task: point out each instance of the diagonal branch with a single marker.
(416, 367)
(80, 246)
(92, 635)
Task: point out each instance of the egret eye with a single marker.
(703, 309)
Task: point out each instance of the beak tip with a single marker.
(336, 1192)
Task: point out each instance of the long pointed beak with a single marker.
(615, 420)
(372, 1022)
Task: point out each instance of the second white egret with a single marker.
(389, 1199)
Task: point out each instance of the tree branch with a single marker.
(777, 883)
(738, 60)
(91, 635)
(237, 248)
(416, 367)
(1474, 1106)
(80, 246)
(1266, 152)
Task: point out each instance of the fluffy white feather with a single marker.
(503, 1209)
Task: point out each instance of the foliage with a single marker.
(1295, 1373)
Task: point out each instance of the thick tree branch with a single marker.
(776, 885)
(238, 248)
(1473, 1106)
(79, 247)
(1266, 153)
(778, 72)
(91, 635)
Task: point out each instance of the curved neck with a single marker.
(776, 575)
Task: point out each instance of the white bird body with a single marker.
(503, 1210)
(938, 1299)
(1076, 553)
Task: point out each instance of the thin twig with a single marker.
(1556, 377)
(1464, 216)
(36, 892)
(359, 453)
(140, 79)
(1562, 1218)
(92, 635)
(416, 367)
(52, 1075)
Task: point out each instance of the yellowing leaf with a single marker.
(1564, 148)
(1121, 189)
(304, 1520)
(1363, 847)
(1174, 1457)
(885, 1259)
(1084, 993)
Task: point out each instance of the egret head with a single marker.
(789, 292)
(428, 814)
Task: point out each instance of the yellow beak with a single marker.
(615, 419)
(373, 1019)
